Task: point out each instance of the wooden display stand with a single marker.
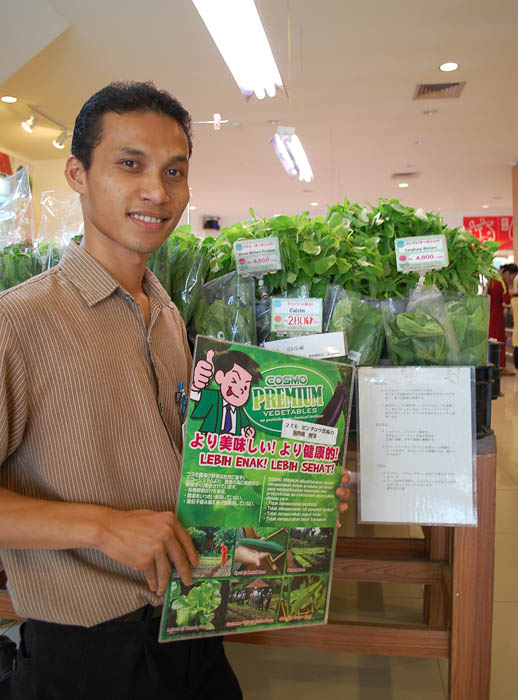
(455, 565)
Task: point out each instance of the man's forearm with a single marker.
(31, 523)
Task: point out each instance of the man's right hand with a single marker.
(203, 372)
(148, 541)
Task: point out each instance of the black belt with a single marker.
(147, 612)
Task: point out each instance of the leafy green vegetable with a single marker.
(361, 321)
(198, 607)
(226, 310)
(15, 266)
(469, 316)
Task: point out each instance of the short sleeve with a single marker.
(13, 391)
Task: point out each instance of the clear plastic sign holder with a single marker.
(416, 445)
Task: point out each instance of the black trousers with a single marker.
(118, 661)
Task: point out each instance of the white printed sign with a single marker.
(256, 256)
(309, 432)
(296, 315)
(421, 254)
(416, 444)
(318, 346)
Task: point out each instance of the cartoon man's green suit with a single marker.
(222, 409)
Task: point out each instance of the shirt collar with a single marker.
(94, 283)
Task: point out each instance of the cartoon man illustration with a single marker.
(222, 410)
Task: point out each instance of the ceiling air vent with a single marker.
(405, 176)
(438, 91)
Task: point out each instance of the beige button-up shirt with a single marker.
(87, 415)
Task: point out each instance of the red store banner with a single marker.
(491, 228)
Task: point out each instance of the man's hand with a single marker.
(342, 493)
(248, 431)
(148, 541)
(203, 372)
(247, 555)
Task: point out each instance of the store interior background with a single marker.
(350, 71)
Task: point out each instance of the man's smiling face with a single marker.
(136, 188)
(235, 385)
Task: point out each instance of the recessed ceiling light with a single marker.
(430, 112)
(448, 66)
(192, 207)
(9, 99)
(485, 206)
(403, 185)
(419, 142)
(314, 204)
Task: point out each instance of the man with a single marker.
(92, 353)
(222, 410)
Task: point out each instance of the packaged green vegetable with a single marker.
(360, 319)
(469, 317)
(419, 330)
(61, 222)
(190, 261)
(226, 310)
(15, 266)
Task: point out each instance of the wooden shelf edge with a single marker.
(386, 640)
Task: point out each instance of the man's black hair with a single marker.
(123, 97)
(226, 360)
(510, 267)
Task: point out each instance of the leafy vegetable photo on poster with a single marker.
(265, 443)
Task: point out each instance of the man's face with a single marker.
(235, 385)
(136, 188)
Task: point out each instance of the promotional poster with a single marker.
(264, 448)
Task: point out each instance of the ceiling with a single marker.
(350, 69)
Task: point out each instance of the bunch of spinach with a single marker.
(226, 310)
(469, 317)
(189, 261)
(15, 266)
(360, 320)
(198, 607)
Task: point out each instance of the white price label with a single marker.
(421, 254)
(309, 432)
(296, 315)
(257, 256)
(317, 347)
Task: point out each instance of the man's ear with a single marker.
(75, 175)
(219, 376)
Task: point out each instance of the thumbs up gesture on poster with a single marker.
(203, 372)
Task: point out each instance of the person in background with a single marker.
(499, 295)
(514, 309)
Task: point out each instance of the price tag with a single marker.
(257, 256)
(318, 346)
(296, 315)
(421, 254)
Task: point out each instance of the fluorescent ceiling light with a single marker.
(238, 33)
(485, 206)
(29, 123)
(449, 66)
(290, 152)
(9, 99)
(314, 204)
(403, 185)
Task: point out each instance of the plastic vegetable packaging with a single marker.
(16, 229)
(360, 319)
(61, 221)
(419, 330)
(226, 310)
(189, 266)
(469, 317)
